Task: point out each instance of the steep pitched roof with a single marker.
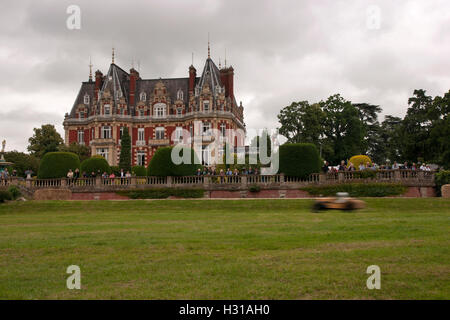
(210, 76)
(116, 83)
(86, 88)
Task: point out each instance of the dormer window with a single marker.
(206, 105)
(197, 91)
(143, 96)
(86, 99)
(107, 109)
(180, 94)
(141, 112)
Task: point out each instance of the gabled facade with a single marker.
(155, 111)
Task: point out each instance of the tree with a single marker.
(368, 114)
(125, 151)
(22, 162)
(83, 151)
(301, 122)
(57, 164)
(343, 129)
(45, 139)
(256, 143)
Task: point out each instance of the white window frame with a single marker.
(80, 136)
(107, 107)
(104, 152)
(159, 110)
(159, 133)
(223, 129)
(86, 99)
(141, 134)
(141, 155)
(143, 96)
(206, 106)
(206, 128)
(180, 94)
(106, 132)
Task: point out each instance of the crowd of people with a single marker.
(5, 174)
(343, 166)
(212, 171)
(76, 174)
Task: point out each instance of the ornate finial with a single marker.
(112, 55)
(3, 146)
(220, 66)
(192, 64)
(209, 55)
(90, 69)
(225, 58)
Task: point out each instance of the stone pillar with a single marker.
(28, 183)
(341, 176)
(133, 181)
(169, 182)
(445, 191)
(282, 179)
(98, 181)
(206, 181)
(397, 176)
(244, 182)
(322, 178)
(63, 182)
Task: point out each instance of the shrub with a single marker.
(4, 195)
(360, 159)
(125, 151)
(162, 193)
(139, 171)
(254, 188)
(14, 191)
(161, 164)
(115, 170)
(94, 164)
(441, 178)
(358, 189)
(366, 174)
(299, 159)
(57, 164)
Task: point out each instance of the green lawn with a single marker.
(224, 249)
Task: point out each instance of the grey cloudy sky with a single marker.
(282, 51)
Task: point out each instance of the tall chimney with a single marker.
(98, 82)
(192, 76)
(230, 82)
(134, 75)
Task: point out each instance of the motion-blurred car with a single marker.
(341, 202)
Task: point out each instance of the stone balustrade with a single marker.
(409, 178)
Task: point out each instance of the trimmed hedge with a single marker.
(359, 159)
(299, 159)
(94, 164)
(161, 164)
(139, 171)
(5, 195)
(358, 189)
(162, 193)
(57, 164)
(441, 178)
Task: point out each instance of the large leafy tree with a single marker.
(301, 122)
(368, 114)
(45, 139)
(22, 162)
(343, 129)
(125, 151)
(83, 151)
(390, 145)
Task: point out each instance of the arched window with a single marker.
(143, 96)
(159, 110)
(86, 99)
(180, 94)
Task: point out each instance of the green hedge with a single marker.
(5, 195)
(358, 189)
(161, 164)
(299, 159)
(94, 164)
(14, 191)
(441, 178)
(57, 164)
(139, 171)
(162, 193)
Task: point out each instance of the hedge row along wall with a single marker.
(299, 159)
(161, 164)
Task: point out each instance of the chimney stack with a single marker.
(98, 82)
(134, 75)
(192, 76)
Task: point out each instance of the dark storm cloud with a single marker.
(281, 51)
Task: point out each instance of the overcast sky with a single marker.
(282, 51)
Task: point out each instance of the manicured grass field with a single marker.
(224, 249)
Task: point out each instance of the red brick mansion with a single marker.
(156, 112)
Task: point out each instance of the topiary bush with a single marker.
(57, 164)
(4, 195)
(14, 191)
(359, 159)
(161, 164)
(139, 171)
(115, 170)
(94, 164)
(299, 159)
